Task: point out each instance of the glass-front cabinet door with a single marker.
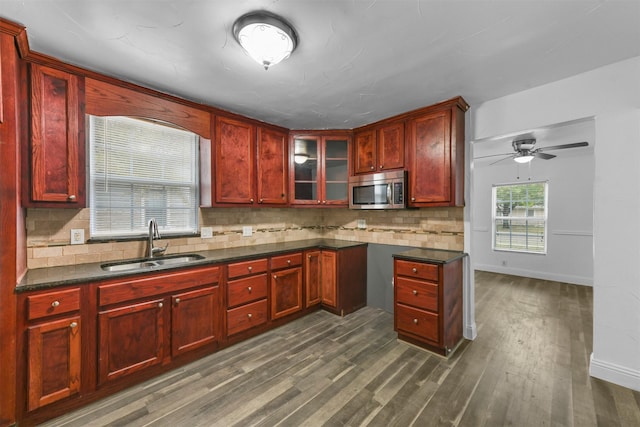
(321, 170)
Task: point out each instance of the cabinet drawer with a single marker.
(53, 303)
(417, 269)
(285, 261)
(245, 290)
(417, 293)
(246, 317)
(244, 268)
(417, 322)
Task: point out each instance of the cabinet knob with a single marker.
(372, 167)
(251, 200)
(71, 198)
(275, 277)
(414, 292)
(318, 201)
(381, 166)
(55, 304)
(261, 200)
(413, 199)
(250, 268)
(177, 301)
(309, 256)
(249, 316)
(324, 202)
(288, 262)
(73, 325)
(249, 289)
(415, 270)
(160, 305)
(415, 321)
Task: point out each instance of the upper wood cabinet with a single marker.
(379, 149)
(251, 165)
(435, 157)
(56, 155)
(320, 166)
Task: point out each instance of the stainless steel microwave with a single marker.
(386, 190)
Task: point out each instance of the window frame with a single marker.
(526, 218)
(160, 184)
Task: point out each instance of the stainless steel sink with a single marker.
(146, 264)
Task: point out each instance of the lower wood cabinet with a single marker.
(194, 320)
(247, 285)
(428, 303)
(286, 285)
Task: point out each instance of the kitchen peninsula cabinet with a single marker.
(435, 154)
(428, 299)
(379, 149)
(320, 165)
(286, 285)
(56, 151)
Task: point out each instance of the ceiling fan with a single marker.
(525, 151)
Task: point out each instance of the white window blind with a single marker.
(141, 170)
(520, 217)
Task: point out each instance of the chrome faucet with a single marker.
(154, 234)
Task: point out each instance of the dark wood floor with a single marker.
(527, 367)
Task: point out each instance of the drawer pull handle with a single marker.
(415, 321)
(177, 301)
(249, 316)
(414, 292)
(249, 288)
(289, 262)
(415, 270)
(55, 304)
(73, 325)
(160, 305)
(250, 268)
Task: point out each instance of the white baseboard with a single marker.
(542, 275)
(470, 332)
(614, 373)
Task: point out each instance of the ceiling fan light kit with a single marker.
(266, 37)
(525, 150)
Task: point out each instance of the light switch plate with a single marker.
(247, 230)
(206, 232)
(77, 236)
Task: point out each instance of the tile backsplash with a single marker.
(49, 230)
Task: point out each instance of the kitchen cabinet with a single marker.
(286, 285)
(320, 167)
(436, 156)
(247, 292)
(146, 322)
(337, 279)
(53, 347)
(56, 150)
(272, 167)
(234, 161)
(428, 303)
(380, 148)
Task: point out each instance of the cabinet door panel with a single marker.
(391, 146)
(417, 293)
(286, 292)
(430, 172)
(365, 152)
(54, 361)
(57, 141)
(328, 278)
(245, 290)
(194, 320)
(131, 339)
(421, 323)
(234, 161)
(312, 272)
(272, 167)
(247, 316)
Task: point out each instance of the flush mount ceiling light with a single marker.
(266, 37)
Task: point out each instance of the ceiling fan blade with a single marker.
(563, 146)
(509, 156)
(493, 155)
(543, 156)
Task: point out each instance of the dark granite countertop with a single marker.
(439, 256)
(43, 278)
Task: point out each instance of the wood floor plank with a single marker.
(529, 366)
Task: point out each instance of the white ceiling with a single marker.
(357, 61)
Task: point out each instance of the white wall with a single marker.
(570, 177)
(611, 94)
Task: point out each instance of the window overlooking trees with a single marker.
(520, 217)
(139, 170)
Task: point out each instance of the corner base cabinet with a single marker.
(428, 299)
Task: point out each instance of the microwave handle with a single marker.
(389, 198)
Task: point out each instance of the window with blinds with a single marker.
(141, 170)
(520, 217)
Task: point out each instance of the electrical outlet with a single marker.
(247, 230)
(77, 236)
(206, 232)
(362, 223)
